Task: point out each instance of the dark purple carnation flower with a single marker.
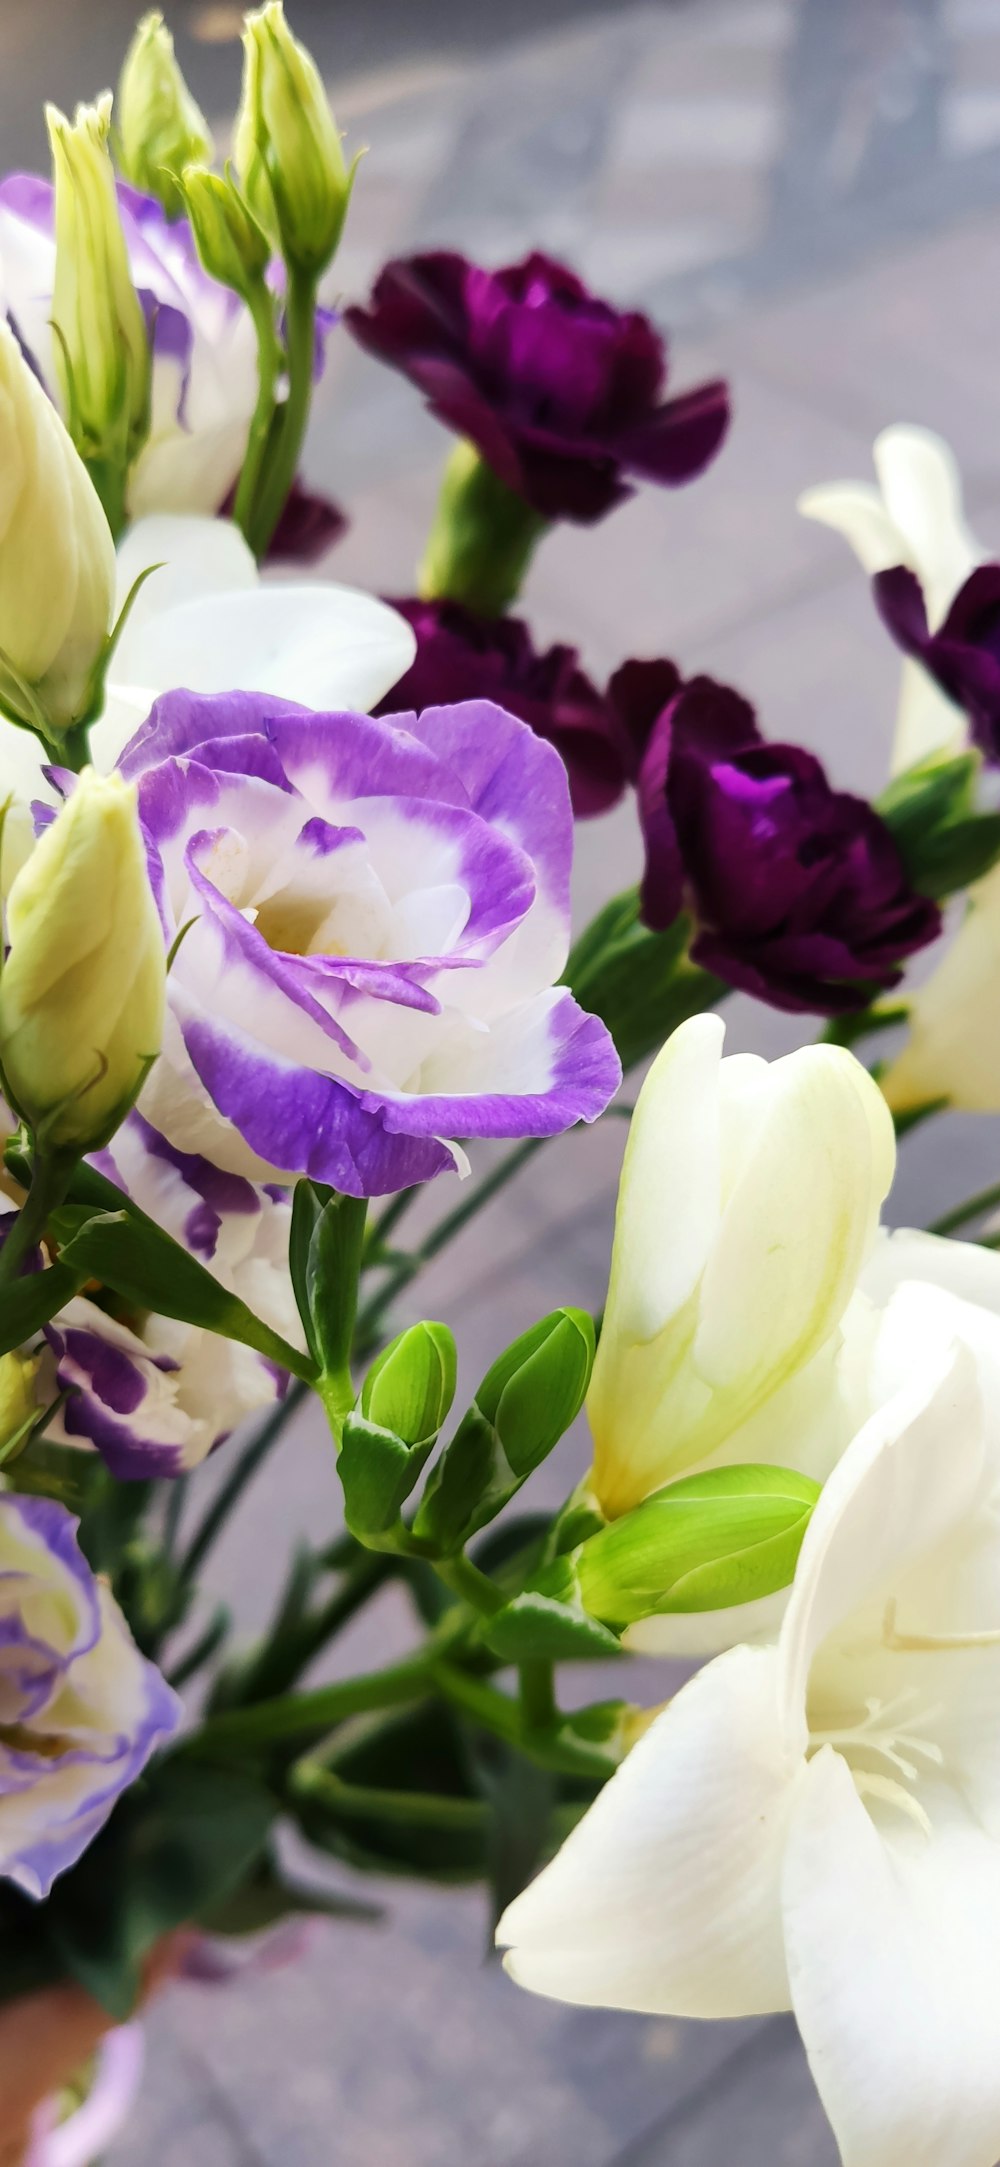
(798, 890)
(560, 393)
(309, 525)
(963, 655)
(462, 655)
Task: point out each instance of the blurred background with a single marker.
(806, 193)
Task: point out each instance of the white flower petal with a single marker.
(893, 1944)
(665, 1898)
(196, 558)
(922, 492)
(926, 720)
(326, 647)
(856, 510)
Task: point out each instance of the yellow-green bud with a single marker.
(57, 557)
(708, 1542)
(18, 1405)
(160, 127)
(410, 1386)
(101, 343)
(82, 989)
(288, 150)
(231, 245)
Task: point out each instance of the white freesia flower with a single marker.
(205, 621)
(816, 1824)
(749, 1200)
(914, 517)
(953, 1048)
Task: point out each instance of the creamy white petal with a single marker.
(953, 1048)
(926, 720)
(922, 491)
(665, 1898)
(327, 647)
(195, 557)
(893, 1945)
(856, 510)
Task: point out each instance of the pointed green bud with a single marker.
(410, 1388)
(524, 1405)
(231, 246)
(101, 344)
(287, 148)
(708, 1542)
(160, 128)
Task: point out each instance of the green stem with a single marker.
(365, 1802)
(538, 1697)
(482, 539)
(284, 442)
(202, 1650)
(51, 1175)
(261, 306)
(281, 1659)
(497, 1713)
(371, 1314)
(253, 1457)
(294, 1715)
(960, 1214)
(471, 1586)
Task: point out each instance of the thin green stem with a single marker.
(972, 1208)
(269, 358)
(201, 1650)
(467, 1582)
(294, 1715)
(252, 1458)
(381, 1228)
(538, 1695)
(284, 442)
(51, 1174)
(309, 1780)
(373, 1311)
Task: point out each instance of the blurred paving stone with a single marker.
(763, 2112)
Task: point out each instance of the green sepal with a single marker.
(930, 810)
(641, 984)
(548, 1621)
(378, 1471)
(482, 539)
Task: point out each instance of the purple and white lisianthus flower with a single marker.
(154, 1395)
(80, 1709)
(203, 344)
(378, 915)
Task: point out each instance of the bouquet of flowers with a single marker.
(286, 938)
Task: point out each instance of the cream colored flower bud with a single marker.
(57, 558)
(82, 990)
(160, 127)
(18, 1404)
(101, 343)
(288, 151)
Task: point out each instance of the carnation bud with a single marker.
(231, 245)
(410, 1388)
(82, 989)
(160, 128)
(288, 151)
(709, 1542)
(101, 343)
(57, 557)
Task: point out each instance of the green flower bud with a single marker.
(160, 128)
(231, 245)
(410, 1387)
(537, 1388)
(82, 989)
(101, 343)
(706, 1543)
(288, 151)
(57, 557)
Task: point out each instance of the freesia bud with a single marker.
(410, 1388)
(953, 1050)
(712, 1541)
(288, 151)
(102, 346)
(524, 1405)
(82, 989)
(57, 558)
(160, 127)
(749, 1200)
(231, 245)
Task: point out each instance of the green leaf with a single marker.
(134, 1257)
(641, 984)
(176, 1847)
(28, 1303)
(63, 1472)
(328, 1232)
(537, 1624)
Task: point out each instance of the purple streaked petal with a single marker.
(548, 1067)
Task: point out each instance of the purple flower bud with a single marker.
(963, 655)
(462, 655)
(798, 891)
(560, 393)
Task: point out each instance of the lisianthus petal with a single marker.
(893, 1944)
(665, 1897)
(328, 647)
(193, 557)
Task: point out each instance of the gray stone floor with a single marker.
(807, 191)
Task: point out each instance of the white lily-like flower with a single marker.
(915, 518)
(952, 1051)
(749, 1200)
(205, 621)
(815, 1824)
